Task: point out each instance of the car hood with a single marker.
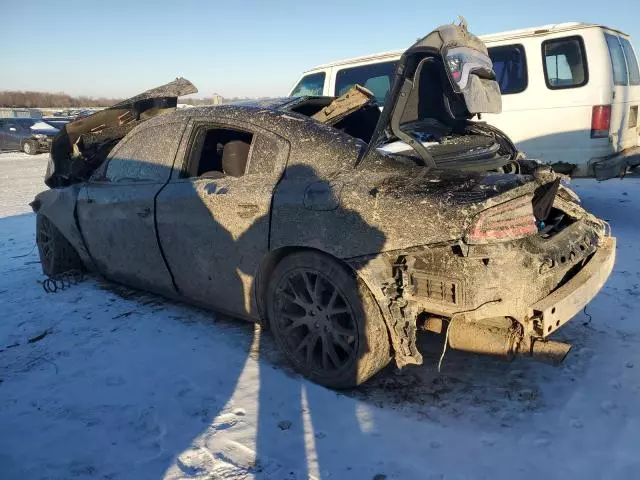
(446, 75)
(43, 128)
(82, 145)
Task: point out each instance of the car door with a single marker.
(11, 134)
(622, 136)
(116, 208)
(3, 135)
(214, 227)
(633, 126)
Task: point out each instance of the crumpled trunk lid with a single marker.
(82, 145)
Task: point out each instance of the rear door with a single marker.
(624, 108)
(214, 226)
(11, 133)
(634, 91)
(116, 208)
(4, 145)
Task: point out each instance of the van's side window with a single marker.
(312, 84)
(632, 62)
(565, 63)
(617, 60)
(510, 66)
(376, 77)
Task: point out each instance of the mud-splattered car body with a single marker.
(502, 258)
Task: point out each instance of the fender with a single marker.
(59, 206)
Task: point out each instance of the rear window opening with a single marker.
(451, 147)
(218, 152)
(359, 124)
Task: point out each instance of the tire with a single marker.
(30, 147)
(332, 331)
(57, 256)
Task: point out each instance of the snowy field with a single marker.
(102, 382)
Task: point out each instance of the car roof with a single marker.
(273, 105)
(492, 37)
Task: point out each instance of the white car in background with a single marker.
(570, 93)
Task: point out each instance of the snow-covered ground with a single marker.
(99, 381)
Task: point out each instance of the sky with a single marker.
(241, 47)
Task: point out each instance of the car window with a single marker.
(147, 156)
(565, 63)
(510, 67)
(312, 84)
(618, 63)
(217, 152)
(632, 61)
(376, 77)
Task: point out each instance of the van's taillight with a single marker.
(600, 121)
(507, 221)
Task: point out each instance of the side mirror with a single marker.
(12, 129)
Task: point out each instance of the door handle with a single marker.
(145, 212)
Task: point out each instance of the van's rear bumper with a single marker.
(616, 164)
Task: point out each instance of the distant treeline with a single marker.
(17, 99)
(51, 100)
(196, 101)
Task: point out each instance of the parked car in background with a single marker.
(570, 93)
(29, 135)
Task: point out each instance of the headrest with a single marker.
(234, 157)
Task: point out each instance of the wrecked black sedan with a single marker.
(344, 229)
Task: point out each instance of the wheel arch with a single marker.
(274, 257)
(59, 206)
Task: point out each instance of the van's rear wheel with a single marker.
(30, 147)
(57, 255)
(326, 320)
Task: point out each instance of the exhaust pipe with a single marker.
(501, 337)
(548, 351)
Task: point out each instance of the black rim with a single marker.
(315, 321)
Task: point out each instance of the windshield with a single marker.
(25, 123)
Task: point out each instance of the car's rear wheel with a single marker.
(326, 320)
(30, 147)
(57, 255)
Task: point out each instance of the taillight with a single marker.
(507, 221)
(600, 121)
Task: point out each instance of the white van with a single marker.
(570, 93)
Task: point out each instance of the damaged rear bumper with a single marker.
(563, 304)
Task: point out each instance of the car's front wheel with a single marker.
(326, 320)
(57, 255)
(30, 147)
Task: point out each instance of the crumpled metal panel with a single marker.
(72, 160)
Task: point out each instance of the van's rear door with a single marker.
(634, 90)
(626, 92)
